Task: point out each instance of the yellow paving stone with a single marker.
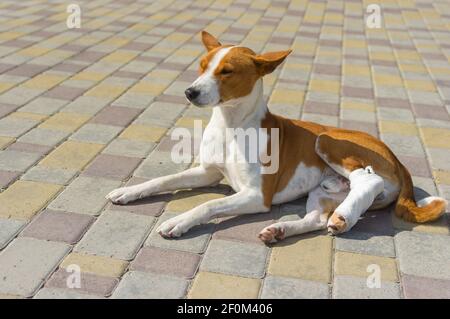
(324, 86)
(353, 44)
(386, 56)
(5, 141)
(33, 51)
(352, 264)
(407, 55)
(419, 68)
(143, 133)
(442, 176)
(65, 121)
(148, 88)
(218, 286)
(287, 96)
(350, 69)
(29, 116)
(387, 80)
(10, 35)
(106, 90)
(23, 199)
(44, 81)
(436, 137)
(103, 266)
(119, 57)
(186, 200)
(355, 105)
(71, 155)
(90, 76)
(398, 128)
(189, 122)
(116, 41)
(306, 257)
(5, 86)
(438, 226)
(420, 85)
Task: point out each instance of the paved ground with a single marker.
(87, 110)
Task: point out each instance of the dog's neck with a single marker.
(242, 112)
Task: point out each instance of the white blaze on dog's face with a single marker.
(229, 72)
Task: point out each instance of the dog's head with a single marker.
(229, 72)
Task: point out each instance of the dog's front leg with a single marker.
(193, 177)
(244, 202)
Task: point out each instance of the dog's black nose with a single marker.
(191, 93)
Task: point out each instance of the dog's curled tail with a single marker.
(425, 210)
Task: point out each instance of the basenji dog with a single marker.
(345, 172)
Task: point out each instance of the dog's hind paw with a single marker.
(272, 233)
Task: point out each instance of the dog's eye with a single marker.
(226, 71)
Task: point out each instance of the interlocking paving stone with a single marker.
(159, 164)
(135, 284)
(183, 201)
(44, 105)
(116, 234)
(425, 288)
(96, 133)
(113, 115)
(8, 229)
(112, 166)
(364, 243)
(23, 199)
(219, 286)
(57, 293)
(50, 175)
(98, 265)
(195, 240)
(234, 258)
(130, 148)
(7, 178)
(17, 161)
(14, 127)
(89, 284)
(26, 262)
(305, 257)
(423, 255)
(43, 136)
(275, 287)
(58, 226)
(166, 261)
(349, 287)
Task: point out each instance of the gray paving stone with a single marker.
(134, 100)
(439, 158)
(276, 287)
(19, 95)
(17, 161)
(139, 285)
(116, 234)
(131, 148)
(49, 175)
(86, 105)
(43, 136)
(404, 145)
(58, 293)
(349, 287)
(26, 263)
(159, 111)
(423, 255)
(195, 240)
(96, 133)
(14, 127)
(44, 105)
(159, 164)
(365, 243)
(85, 195)
(235, 258)
(395, 114)
(8, 229)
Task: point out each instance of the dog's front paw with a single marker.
(173, 227)
(272, 233)
(123, 195)
(336, 224)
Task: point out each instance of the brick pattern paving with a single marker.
(84, 111)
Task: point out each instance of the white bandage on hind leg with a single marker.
(365, 185)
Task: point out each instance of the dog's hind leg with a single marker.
(321, 202)
(198, 176)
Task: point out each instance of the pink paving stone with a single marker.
(430, 111)
(425, 288)
(58, 226)
(4, 67)
(351, 91)
(137, 46)
(31, 148)
(128, 74)
(393, 102)
(150, 206)
(329, 69)
(65, 93)
(91, 284)
(5, 109)
(112, 166)
(17, 43)
(68, 67)
(172, 66)
(417, 166)
(321, 108)
(384, 63)
(171, 99)
(188, 76)
(116, 115)
(243, 228)
(7, 178)
(89, 56)
(370, 128)
(28, 70)
(166, 261)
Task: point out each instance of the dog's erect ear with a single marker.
(268, 62)
(209, 41)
